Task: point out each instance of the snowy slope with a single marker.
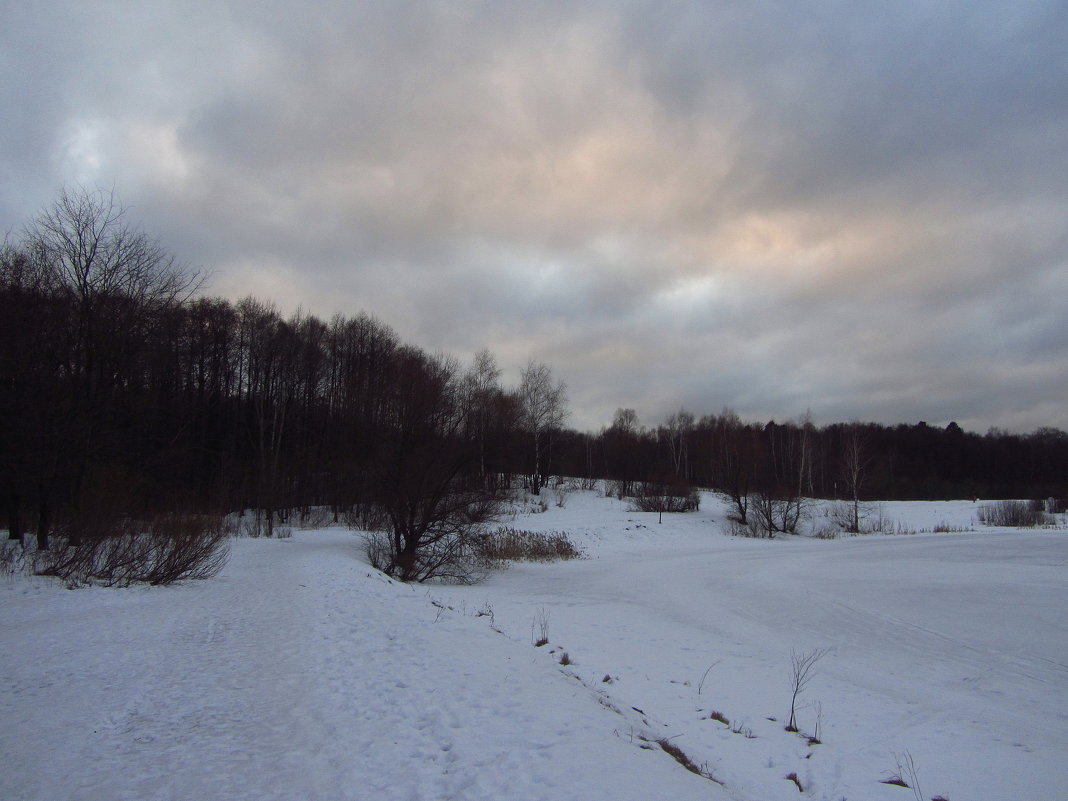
(951, 648)
(297, 674)
(300, 673)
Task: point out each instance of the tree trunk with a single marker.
(14, 519)
(536, 483)
(43, 523)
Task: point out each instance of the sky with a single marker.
(856, 208)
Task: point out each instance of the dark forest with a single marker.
(125, 391)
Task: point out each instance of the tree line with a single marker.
(125, 392)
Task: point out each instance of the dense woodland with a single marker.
(125, 391)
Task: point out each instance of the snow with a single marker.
(301, 673)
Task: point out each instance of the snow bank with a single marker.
(300, 673)
(297, 674)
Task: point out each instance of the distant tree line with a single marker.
(125, 393)
(899, 462)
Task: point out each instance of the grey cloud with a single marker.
(853, 207)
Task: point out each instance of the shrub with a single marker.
(674, 496)
(432, 534)
(773, 513)
(164, 550)
(842, 514)
(751, 529)
(825, 533)
(12, 557)
(365, 517)
(1013, 514)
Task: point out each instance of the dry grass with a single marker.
(515, 545)
(683, 759)
(942, 527)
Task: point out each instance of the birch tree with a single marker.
(543, 406)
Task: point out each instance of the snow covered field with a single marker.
(300, 673)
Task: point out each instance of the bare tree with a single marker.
(734, 452)
(543, 407)
(855, 461)
(679, 429)
(89, 249)
(481, 383)
(622, 445)
(784, 475)
(801, 673)
(113, 282)
(431, 513)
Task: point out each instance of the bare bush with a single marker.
(876, 521)
(12, 557)
(253, 526)
(365, 517)
(841, 514)
(751, 528)
(825, 532)
(316, 517)
(672, 496)
(436, 539)
(763, 515)
(164, 550)
(260, 523)
(185, 547)
(1011, 514)
(776, 513)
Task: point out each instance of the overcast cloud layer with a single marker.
(855, 207)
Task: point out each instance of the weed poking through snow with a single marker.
(906, 775)
(539, 627)
(701, 683)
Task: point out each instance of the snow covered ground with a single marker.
(301, 673)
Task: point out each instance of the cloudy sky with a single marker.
(858, 208)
